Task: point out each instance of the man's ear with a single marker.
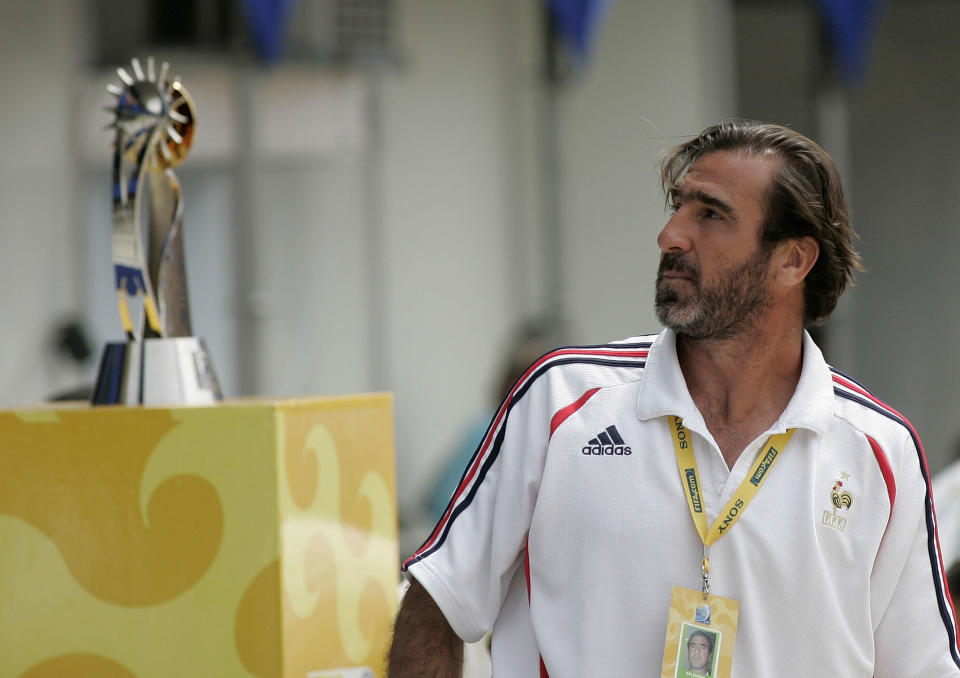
(796, 257)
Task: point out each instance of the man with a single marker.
(699, 654)
(578, 527)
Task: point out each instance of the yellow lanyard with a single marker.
(744, 494)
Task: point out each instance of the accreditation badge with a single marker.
(700, 635)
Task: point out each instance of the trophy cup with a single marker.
(160, 362)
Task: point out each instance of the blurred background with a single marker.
(386, 194)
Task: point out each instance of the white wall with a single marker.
(662, 73)
(445, 232)
(39, 229)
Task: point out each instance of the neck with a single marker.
(742, 385)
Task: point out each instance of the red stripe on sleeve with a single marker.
(561, 415)
(885, 470)
(526, 565)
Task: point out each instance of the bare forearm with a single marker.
(424, 644)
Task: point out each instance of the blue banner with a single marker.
(849, 24)
(577, 21)
(267, 21)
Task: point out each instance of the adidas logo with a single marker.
(607, 442)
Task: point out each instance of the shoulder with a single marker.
(595, 365)
(860, 408)
(630, 352)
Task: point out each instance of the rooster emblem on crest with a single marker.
(841, 498)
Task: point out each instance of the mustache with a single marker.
(677, 263)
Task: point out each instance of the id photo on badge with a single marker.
(698, 652)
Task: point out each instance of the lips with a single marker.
(674, 275)
(675, 267)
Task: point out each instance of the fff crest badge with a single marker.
(841, 498)
(160, 362)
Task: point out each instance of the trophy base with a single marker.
(163, 371)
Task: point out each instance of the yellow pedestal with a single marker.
(243, 539)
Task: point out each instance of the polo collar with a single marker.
(663, 390)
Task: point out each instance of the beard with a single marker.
(721, 309)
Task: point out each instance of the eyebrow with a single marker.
(705, 198)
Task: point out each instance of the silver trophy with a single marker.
(161, 362)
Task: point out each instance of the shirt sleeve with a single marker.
(915, 630)
(469, 559)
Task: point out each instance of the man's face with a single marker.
(712, 282)
(698, 653)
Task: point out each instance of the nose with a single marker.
(675, 236)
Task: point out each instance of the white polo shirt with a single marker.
(570, 528)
